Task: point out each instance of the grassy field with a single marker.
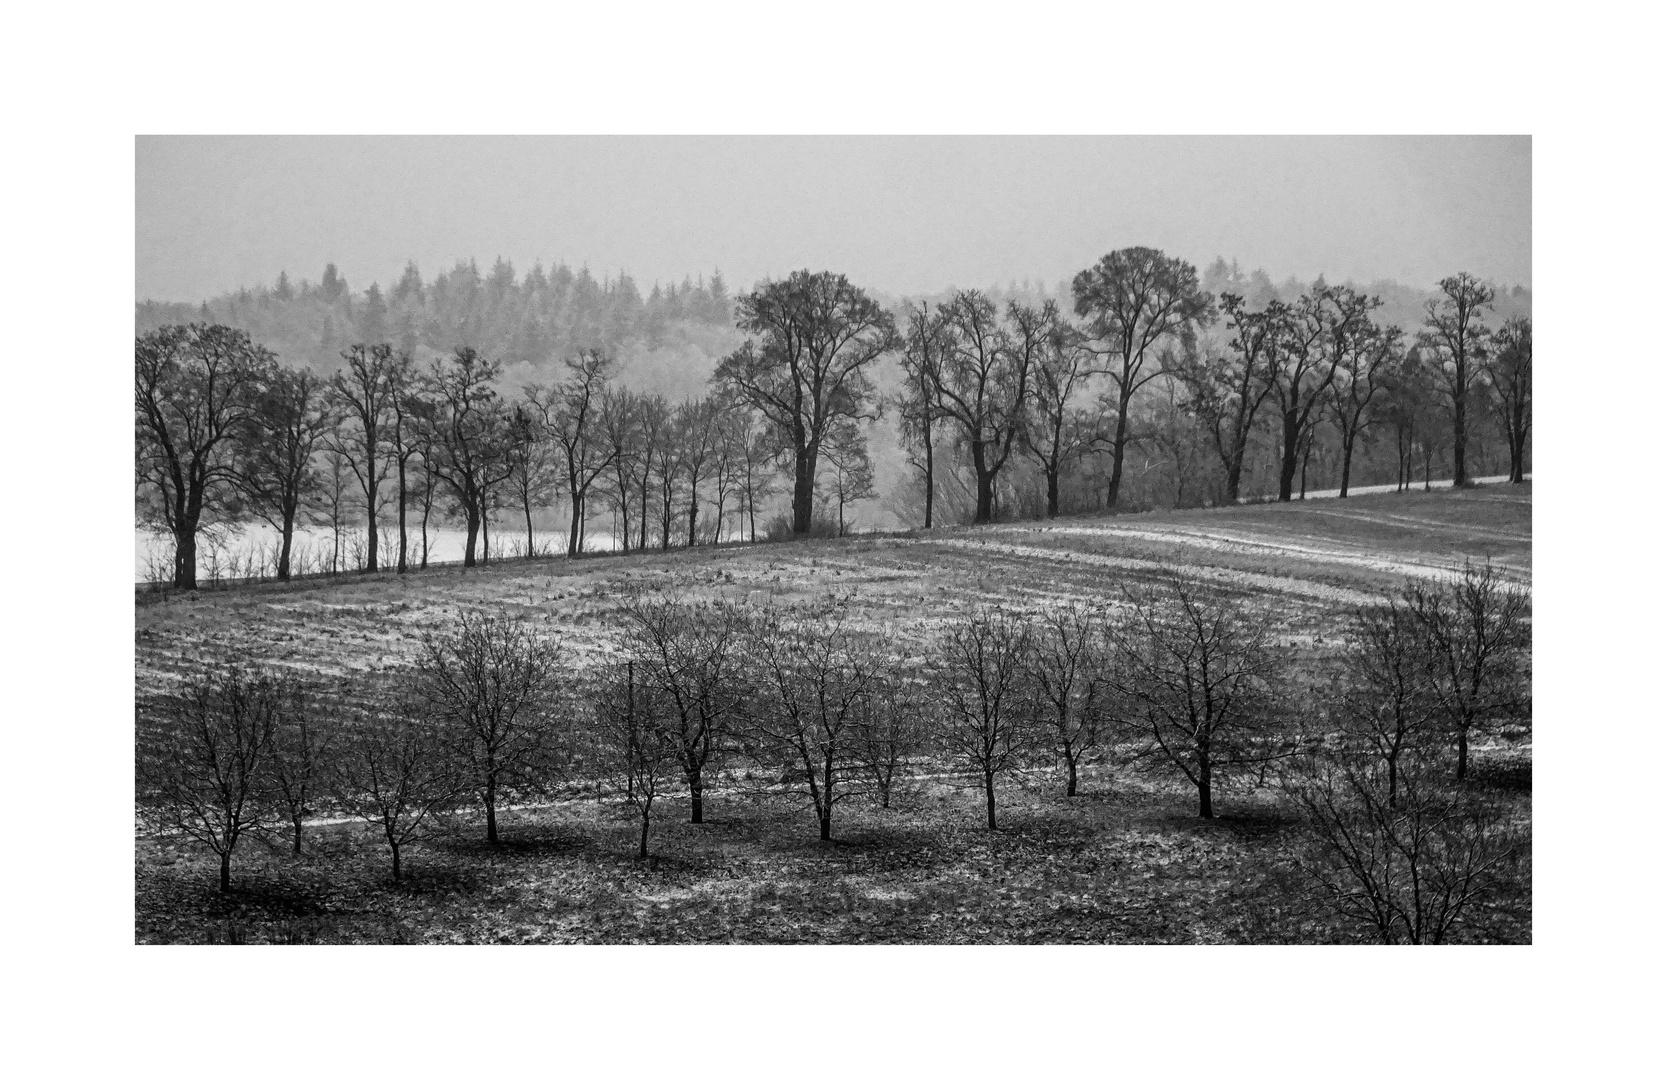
(1128, 861)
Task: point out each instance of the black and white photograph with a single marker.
(835, 540)
(607, 576)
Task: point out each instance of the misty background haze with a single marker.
(899, 215)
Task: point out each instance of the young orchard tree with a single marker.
(1369, 353)
(815, 674)
(277, 467)
(1134, 300)
(489, 683)
(1510, 377)
(1303, 366)
(1226, 391)
(816, 337)
(196, 390)
(637, 729)
(690, 656)
(365, 394)
(1057, 432)
(890, 729)
(981, 662)
(1385, 699)
(1194, 674)
(303, 747)
(1453, 346)
(1477, 633)
(1068, 671)
(924, 347)
(981, 381)
(1413, 866)
(204, 759)
(395, 772)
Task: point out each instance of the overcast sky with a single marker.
(897, 214)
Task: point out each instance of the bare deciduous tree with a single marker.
(195, 390)
(1194, 672)
(815, 676)
(819, 335)
(1134, 299)
(1068, 670)
(981, 683)
(1453, 346)
(638, 733)
(1510, 376)
(489, 683)
(689, 655)
(1476, 629)
(302, 748)
(204, 759)
(395, 773)
(277, 467)
(365, 392)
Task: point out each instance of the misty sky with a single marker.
(897, 214)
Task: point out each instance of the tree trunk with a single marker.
(296, 821)
(1288, 458)
(404, 496)
(1053, 491)
(1460, 477)
(694, 508)
(1071, 775)
(1348, 457)
(185, 558)
(929, 479)
(990, 797)
(226, 870)
(642, 839)
(1205, 810)
(804, 490)
(491, 810)
(1464, 753)
(694, 797)
(471, 516)
(370, 519)
(824, 818)
(573, 540)
(1115, 484)
(285, 547)
(394, 847)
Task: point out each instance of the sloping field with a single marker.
(1309, 562)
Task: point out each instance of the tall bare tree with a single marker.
(1302, 368)
(1135, 299)
(365, 394)
(195, 389)
(1058, 430)
(465, 433)
(981, 382)
(817, 336)
(572, 413)
(1369, 354)
(277, 467)
(1453, 346)
(1227, 391)
(1510, 376)
(917, 409)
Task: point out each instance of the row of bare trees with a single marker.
(991, 380)
(225, 433)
